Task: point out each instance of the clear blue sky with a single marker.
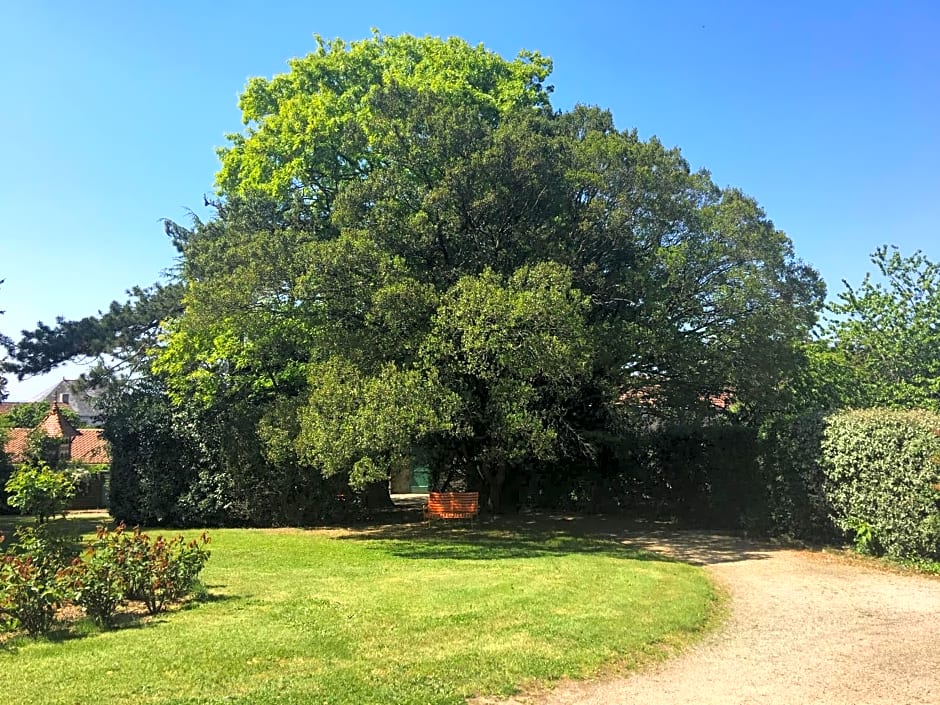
(827, 113)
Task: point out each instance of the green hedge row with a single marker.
(882, 479)
(871, 475)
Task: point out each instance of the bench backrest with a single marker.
(458, 502)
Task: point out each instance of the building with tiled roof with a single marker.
(90, 447)
(86, 445)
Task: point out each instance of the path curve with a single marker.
(805, 627)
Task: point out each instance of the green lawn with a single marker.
(395, 615)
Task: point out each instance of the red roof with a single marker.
(16, 443)
(56, 425)
(89, 446)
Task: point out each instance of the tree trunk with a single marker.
(496, 480)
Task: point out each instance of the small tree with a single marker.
(41, 491)
(884, 341)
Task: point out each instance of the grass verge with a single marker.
(396, 615)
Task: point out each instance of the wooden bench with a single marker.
(452, 505)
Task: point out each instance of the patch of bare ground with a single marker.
(804, 628)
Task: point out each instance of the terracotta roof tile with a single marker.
(16, 443)
(89, 446)
(56, 425)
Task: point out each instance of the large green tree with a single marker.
(415, 254)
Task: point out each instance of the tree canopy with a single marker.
(31, 414)
(415, 253)
(415, 256)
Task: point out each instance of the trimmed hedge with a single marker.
(882, 469)
(798, 507)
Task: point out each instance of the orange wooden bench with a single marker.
(452, 505)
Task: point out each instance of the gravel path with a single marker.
(804, 628)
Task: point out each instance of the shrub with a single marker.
(41, 572)
(881, 470)
(160, 571)
(39, 490)
(31, 581)
(97, 579)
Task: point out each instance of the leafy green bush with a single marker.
(97, 579)
(41, 491)
(160, 571)
(882, 469)
(31, 581)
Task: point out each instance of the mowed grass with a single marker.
(400, 615)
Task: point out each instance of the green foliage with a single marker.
(43, 449)
(32, 586)
(158, 570)
(705, 475)
(31, 414)
(882, 470)
(180, 466)
(6, 470)
(119, 565)
(884, 340)
(40, 491)
(414, 255)
(154, 456)
(791, 462)
(122, 333)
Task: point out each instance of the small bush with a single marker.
(160, 571)
(97, 579)
(41, 491)
(881, 470)
(31, 582)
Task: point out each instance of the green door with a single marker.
(420, 478)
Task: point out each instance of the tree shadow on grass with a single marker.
(74, 524)
(533, 536)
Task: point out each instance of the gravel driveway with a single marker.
(805, 627)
